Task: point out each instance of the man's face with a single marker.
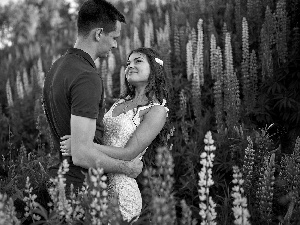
(109, 41)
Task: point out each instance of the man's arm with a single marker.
(145, 133)
(84, 153)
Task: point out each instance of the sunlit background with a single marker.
(5, 34)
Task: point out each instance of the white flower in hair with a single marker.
(159, 61)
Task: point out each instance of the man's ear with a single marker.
(98, 33)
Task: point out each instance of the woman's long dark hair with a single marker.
(157, 88)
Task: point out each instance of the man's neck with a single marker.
(84, 46)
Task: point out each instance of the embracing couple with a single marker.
(73, 99)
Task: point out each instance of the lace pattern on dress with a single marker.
(117, 131)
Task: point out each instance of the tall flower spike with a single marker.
(267, 39)
(167, 27)
(40, 73)
(266, 187)
(127, 46)
(7, 211)
(253, 80)
(193, 37)
(177, 43)
(207, 205)
(27, 86)
(213, 56)
(245, 64)
(57, 193)
(183, 107)
(99, 196)
(147, 39)
(248, 165)
(199, 61)
(10, 101)
(29, 199)
(151, 31)
(189, 60)
(122, 81)
(20, 87)
(231, 88)
(240, 211)
(281, 30)
(104, 74)
(161, 185)
(111, 65)
(136, 39)
(186, 214)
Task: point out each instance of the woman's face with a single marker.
(138, 69)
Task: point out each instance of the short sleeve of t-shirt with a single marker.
(85, 93)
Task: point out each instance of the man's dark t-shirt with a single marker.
(72, 86)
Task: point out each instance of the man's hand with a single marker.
(133, 168)
(65, 145)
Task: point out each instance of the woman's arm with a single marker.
(85, 155)
(145, 133)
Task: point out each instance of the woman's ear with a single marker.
(98, 33)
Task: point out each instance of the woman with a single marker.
(133, 122)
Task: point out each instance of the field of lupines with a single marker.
(234, 144)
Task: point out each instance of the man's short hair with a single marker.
(98, 13)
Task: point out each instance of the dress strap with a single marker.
(152, 104)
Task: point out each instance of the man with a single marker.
(73, 93)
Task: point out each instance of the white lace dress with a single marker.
(117, 131)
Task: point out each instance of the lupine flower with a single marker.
(147, 39)
(224, 32)
(111, 65)
(189, 59)
(290, 172)
(40, 76)
(240, 211)
(136, 39)
(207, 205)
(238, 18)
(183, 106)
(217, 74)
(266, 187)
(253, 80)
(281, 30)
(231, 87)
(199, 61)
(99, 194)
(20, 87)
(167, 27)
(104, 73)
(245, 64)
(57, 193)
(213, 52)
(186, 218)
(177, 43)
(122, 81)
(247, 169)
(267, 39)
(161, 182)
(198, 73)
(151, 31)
(7, 211)
(78, 211)
(29, 200)
(10, 101)
(27, 86)
(193, 38)
(127, 46)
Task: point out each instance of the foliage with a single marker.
(233, 68)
